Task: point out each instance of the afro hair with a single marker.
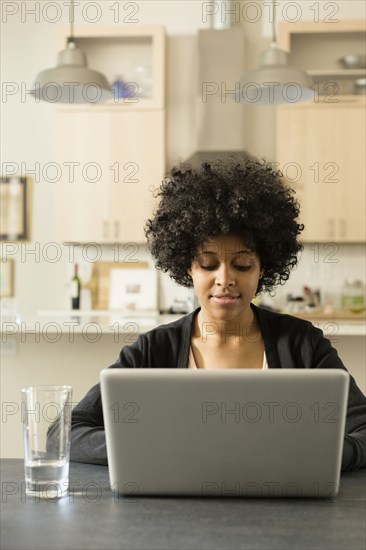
(248, 198)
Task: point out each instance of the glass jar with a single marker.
(353, 295)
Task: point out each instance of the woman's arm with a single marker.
(87, 430)
(354, 450)
(87, 424)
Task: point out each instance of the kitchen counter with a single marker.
(338, 314)
(96, 323)
(86, 323)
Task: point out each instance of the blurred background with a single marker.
(78, 180)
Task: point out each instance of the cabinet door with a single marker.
(351, 200)
(304, 151)
(325, 143)
(83, 191)
(137, 150)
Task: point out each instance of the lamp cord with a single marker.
(274, 38)
(71, 37)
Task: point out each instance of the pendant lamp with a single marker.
(275, 81)
(71, 81)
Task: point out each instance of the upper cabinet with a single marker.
(320, 149)
(113, 162)
(113, 153)
(320, 47)
(133, 54)
(320, 144)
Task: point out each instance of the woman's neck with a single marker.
(221, 331)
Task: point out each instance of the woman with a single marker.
(229, 230)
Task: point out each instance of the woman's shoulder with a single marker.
(294, 339)
(159, 347)
(178, 326)
(279, 322)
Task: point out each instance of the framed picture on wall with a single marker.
(123, 286)
(14, 202)
(6, 278)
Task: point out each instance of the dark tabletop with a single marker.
(91, 516)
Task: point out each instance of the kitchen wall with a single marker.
(323, 266)
(28, 133)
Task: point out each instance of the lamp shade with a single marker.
(275, 81)
(71, 81)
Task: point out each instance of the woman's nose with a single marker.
(225, 276)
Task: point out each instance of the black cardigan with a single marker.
(289, 343)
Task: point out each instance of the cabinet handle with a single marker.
(105, 230)
(342, 231)
(116, 230)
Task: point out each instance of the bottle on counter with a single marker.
(353, 295)
(75, 289)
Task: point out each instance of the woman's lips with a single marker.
(225, 300)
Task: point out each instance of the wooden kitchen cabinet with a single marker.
(139, 142)
(318, 47)
(320, 145)
(82, 204)
(124, 152)
(134, 53)
(320, 149)
(115, 149)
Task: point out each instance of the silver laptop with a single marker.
(225, 433)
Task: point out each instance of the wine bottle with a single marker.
(75, 289)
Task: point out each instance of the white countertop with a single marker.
(98, 323)
(92, 323)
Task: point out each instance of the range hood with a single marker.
(219, 118)
(198, 157)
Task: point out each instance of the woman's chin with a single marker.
(224, 311)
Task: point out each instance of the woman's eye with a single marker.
(243, 267)
(208, 267)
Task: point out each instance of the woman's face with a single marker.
(225, 275)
